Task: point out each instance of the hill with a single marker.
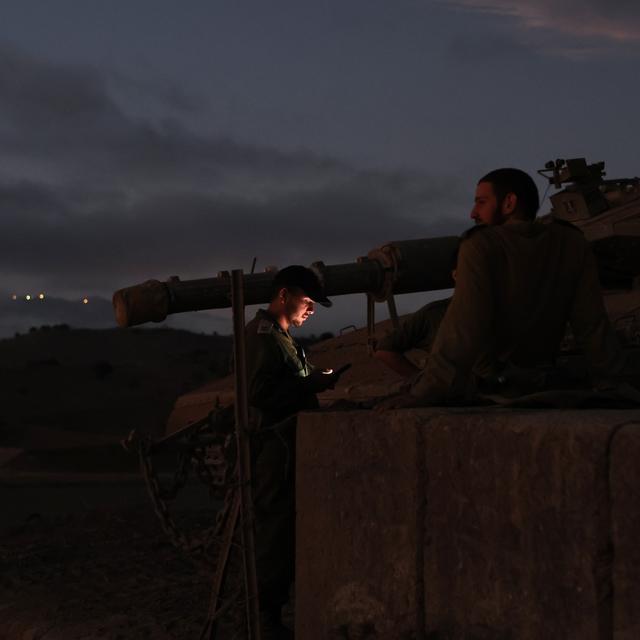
(68, 388)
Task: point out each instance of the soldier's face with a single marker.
(298, 307)
(485, 208)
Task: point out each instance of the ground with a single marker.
(108, 574)
(82, 554)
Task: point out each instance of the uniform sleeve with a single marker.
(272, 387)
(590, 322)
(465, 331)
(416, 331)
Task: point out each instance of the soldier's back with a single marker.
(534, 270)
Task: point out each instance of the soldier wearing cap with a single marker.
(281, 382)
(518, 283)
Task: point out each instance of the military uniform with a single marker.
(517, 286)
(418, 331)
(277, 372)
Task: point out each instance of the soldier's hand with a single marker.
(323, 379)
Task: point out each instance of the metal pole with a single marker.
(393, 311)
(209, 632)
(244, 455)
(371, 323)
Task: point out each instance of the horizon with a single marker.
(98, 314)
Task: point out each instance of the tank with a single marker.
(606, 210)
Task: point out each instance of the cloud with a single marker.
(47, 235)
(613, 20)
(92, 198)
(148, 91)
(67, 123)
(476, 47)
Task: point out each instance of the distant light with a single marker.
(14, 297)
(85, 300)
(27, 297)
(41, 296)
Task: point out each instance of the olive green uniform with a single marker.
(278, 385)
(517, 286)
(277, 370)
(418, 331)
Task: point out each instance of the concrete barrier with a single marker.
(472, 524)
(625, 528)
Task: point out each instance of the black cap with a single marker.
(303, 278)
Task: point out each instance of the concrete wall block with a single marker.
(518, 524)
(465, 524)
(356, 566)
(625, 520)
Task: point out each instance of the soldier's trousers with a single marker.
(273, 479)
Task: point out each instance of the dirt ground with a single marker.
(82, 554)
(109, 574)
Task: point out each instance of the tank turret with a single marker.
(608, 213)
(584, 193)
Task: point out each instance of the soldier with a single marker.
(518, 284)
(281, 382)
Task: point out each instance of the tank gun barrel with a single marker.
(395, 268)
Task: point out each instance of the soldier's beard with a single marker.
(498, 216)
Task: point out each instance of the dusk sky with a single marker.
(150, 138)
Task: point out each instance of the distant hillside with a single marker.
(74, 387)
(19, 315)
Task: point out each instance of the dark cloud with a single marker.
(93, 199)
(150, 90)
(66, 117)
(49, 95)
(477, 47)
(186, 232)
(615, 20)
